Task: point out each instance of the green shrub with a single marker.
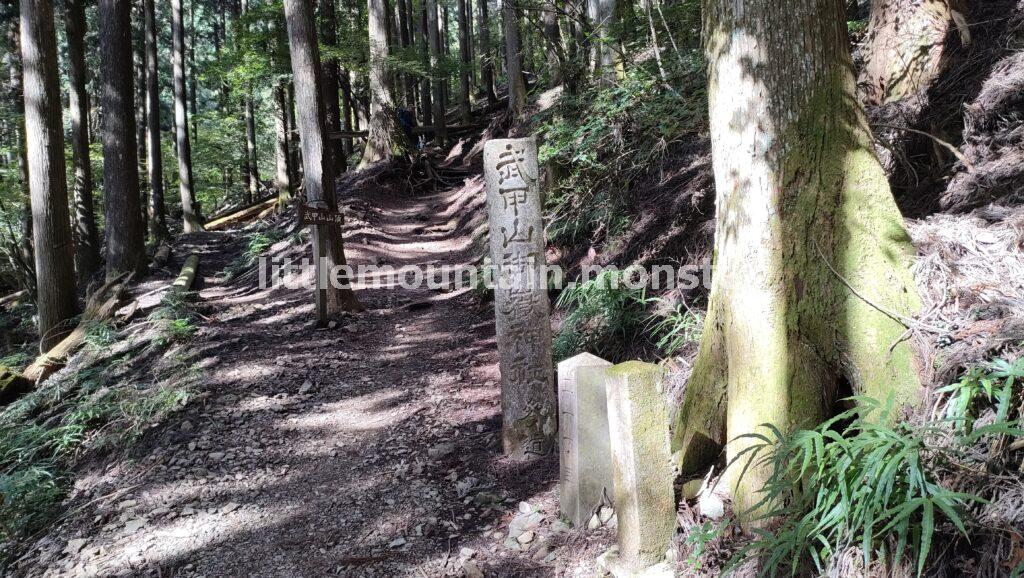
(865, 484)
(673, 330)
(604, 315)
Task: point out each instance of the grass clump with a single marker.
(257, 243)
(874, 486)
(604, 315)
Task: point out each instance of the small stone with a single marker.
(440, 451)
(525, 507)
(397, 542)
(526, 537)
(186, 426)
(216, 456)
(605, 514)
(229, 507)
(471, 570)
(126, 504)
(594, 523)
(559, 527)
(332, 324)
(76, 545)
(710, 504)
(135, 525)
(305, 387)
(513, 544)
(465, 552)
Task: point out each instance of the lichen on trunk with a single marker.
(811, 280)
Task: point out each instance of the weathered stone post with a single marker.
(521, 303)
(644, 498)
(584, 443)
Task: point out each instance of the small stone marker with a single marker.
(529, 422)
(644, 498)
(584, 443)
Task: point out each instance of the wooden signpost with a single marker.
(319, 217)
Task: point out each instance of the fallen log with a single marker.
(100, 306)
(416, 130)
(12, 297)
(162, 254)
(242, 215)
(187, 276)
(231, 210)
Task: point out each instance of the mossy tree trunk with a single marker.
(803, 214)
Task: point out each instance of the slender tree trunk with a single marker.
(486, 58)
(249, 118)
(87, 244)
(606, 58)
(154, 154)
(126, 249)
(426, 104)
(405, 40)
(193, 106)
(139, 58)
(282, 176)
(439, 83)
(51, 222)
(293, 137)
(465, 64)
(385, 137)
(25, 251)
(318, 165)
(346, 111)
(329, 37)
(191, 215)
(807, 235)
(252, 157)
(553, 40)
(513, 59)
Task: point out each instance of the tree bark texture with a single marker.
(87, 243)
(811, 285)
(191, 216)
(126, 251)
(318, 167)
(51, 221)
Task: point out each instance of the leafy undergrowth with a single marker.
(123, 381)
(603, 142)
(257, 244)
(856, 496)
(612, 316)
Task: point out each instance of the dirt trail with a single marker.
(368, 449)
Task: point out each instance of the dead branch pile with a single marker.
(970, 271)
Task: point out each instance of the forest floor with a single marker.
(371, 448)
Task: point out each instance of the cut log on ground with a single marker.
(162, 254)
(245, 214)
(187, 276)
(456, 129)
(235, 208)
(100, 306)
